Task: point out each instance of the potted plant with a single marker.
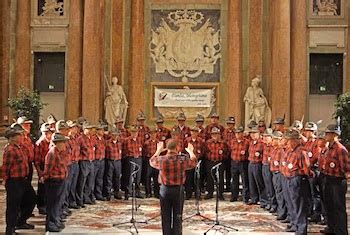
(343, 112)
(27, 103)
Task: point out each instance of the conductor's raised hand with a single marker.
(160, 147)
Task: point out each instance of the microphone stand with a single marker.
(132, 221)
(217, 226)
(198, 192)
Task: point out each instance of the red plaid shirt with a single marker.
(211, 126)
(267, 154)
(277, 154)
(75, 148)
(283, 161)
(216, 150)
(297, 162)
(163, 134)
(312, 150)
(198, 145)
(239, 149)
(15, 162)
(28, 148)
(184, 131)
(335, 162)
(55, 164)
(133, 147)
(201, 133)
(87, 147)
(100, 148)
(40, 150)
(172, 168)
(114, 149)
(256, 151)
(229, 134)
(321, 157)
(124, 133)
(143, 133)
(150, 147)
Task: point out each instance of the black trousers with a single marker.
(54, 190)
(131, 168)
(171, 205)
(113, 171)
(335, 203)
(85, 182)
(151, 176)
(315, 206)
(210, 181)
(99, 169)
(256, 183)
(239, 168)
(227, 171)
(277, 185)
(269, 189)
(287, 199)
(20, 202)
(299, 191)
(189, 183)
(74, 171)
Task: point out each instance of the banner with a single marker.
(182, 97)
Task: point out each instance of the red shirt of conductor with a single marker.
(172, 175)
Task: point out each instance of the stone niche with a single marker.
(184, 51)
(50, 12)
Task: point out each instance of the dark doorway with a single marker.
(326, 74)
(49, 70)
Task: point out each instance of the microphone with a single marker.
(216, 166)
(137, 167)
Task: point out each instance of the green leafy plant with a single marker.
(343, 111)
(27, 103)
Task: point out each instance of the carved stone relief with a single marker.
(50, 8)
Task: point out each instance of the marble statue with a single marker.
(327, 8)
(116, 104)
(256, 105)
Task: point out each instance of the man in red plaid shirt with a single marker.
(119, 124)
(143, 129)
(277, 153)
(73, 168)
(114, 148)
(181, 127)
(200, 125)
(86, 142)
(150, 148)
(239, 165)
(228, 135)
(40, 150)
(133, 150)
(55, 174)
(334, 168)
(20, 199)
(216, 151)
(172, 175)
(310, 146)
(214, 122)
(99, 162)
(198, 145)
(297, 172)
(163, 133)
(256, 182)
(27, 143)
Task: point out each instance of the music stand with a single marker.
(198, 192)
(217, 225)
(133, 221)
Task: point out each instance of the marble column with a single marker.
(234, 60)
(91, 81)
(347, 77)
(280, 76)
(255, 37)
(74, 54)
(298, 59)
(23, 56)
(136, 65)
(117, 38)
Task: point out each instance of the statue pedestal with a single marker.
(325, 13)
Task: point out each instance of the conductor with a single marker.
(172, 175)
